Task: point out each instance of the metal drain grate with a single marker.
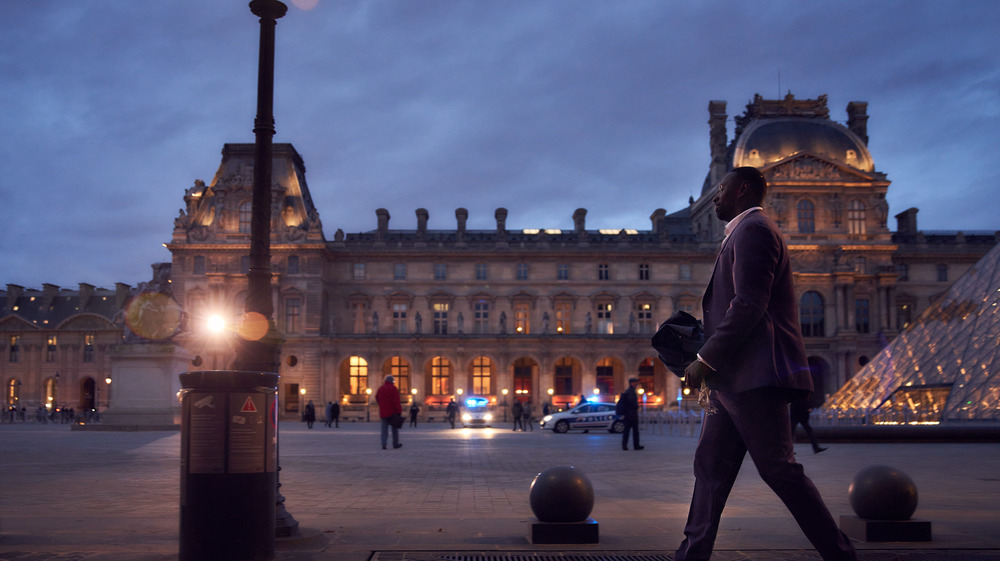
(776, 555)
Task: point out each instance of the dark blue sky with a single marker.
(113, 108)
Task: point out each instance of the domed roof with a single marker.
(765, 141)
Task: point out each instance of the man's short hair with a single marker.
(754, 179)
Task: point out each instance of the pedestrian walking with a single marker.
(526, 415)
(752, 364)
(798, 412)
(328, 414)
(518, 412)
(310, 415)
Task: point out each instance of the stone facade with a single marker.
(549, 315)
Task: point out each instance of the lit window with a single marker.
(644, 317)
(605, 323)
(440, 376)
(563, 311)
(400, 370)
(440, 318)
(521, 324)
(482, 369)
(15, 349)
(856, 217)
(50, 349)
(88, 347)
(358, 375)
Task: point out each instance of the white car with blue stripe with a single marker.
(586, 416)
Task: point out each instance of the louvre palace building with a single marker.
(543, 315)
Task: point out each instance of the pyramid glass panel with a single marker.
(943, 367)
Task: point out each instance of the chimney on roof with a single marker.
(14, 292)
(86, 291)
(718, 139)
(857, 119)
(49, 292)
(580, 220)
(462, 215)
(906, 222)
(422, 216)
(657, 219)
(122, 293)
(383, 223)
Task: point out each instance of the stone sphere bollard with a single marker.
(883, 493)
(561, 494)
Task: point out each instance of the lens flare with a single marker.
(253, 327)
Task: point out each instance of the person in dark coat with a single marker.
(310, 415)
(451, 411)
(517, 410)
(414, 411)
(798, 412)
(753, 363)
(629, 407)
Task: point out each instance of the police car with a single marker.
(477, 412)
(597, 415)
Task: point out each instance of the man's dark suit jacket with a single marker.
(752, 336)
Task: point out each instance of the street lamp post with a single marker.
(368, 405)
(504, 392)
(261, 353)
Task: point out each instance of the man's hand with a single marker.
(695, 374)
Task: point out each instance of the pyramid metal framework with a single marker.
(945, 367)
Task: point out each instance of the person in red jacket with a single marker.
(387, 398)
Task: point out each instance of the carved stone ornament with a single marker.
(806, 169)
(808, 260)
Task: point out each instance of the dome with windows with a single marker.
(766, 141)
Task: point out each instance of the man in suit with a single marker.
(754, 363)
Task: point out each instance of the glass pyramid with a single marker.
(945, 367)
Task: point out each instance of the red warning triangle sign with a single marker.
(248, 406)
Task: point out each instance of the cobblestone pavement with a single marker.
(82, 495)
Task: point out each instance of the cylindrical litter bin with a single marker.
(228, 465)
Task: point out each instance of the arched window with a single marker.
(811, 314)
(806, 216)
(482, 369)
(246, 216)
(358, 375)
(400, 370)
(440, 376)
(856, 217)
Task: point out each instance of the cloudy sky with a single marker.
(112, 108)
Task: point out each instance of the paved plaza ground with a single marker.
(85, 495)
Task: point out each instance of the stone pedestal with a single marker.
(564, 532)
(863, 529)
(144, 387)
